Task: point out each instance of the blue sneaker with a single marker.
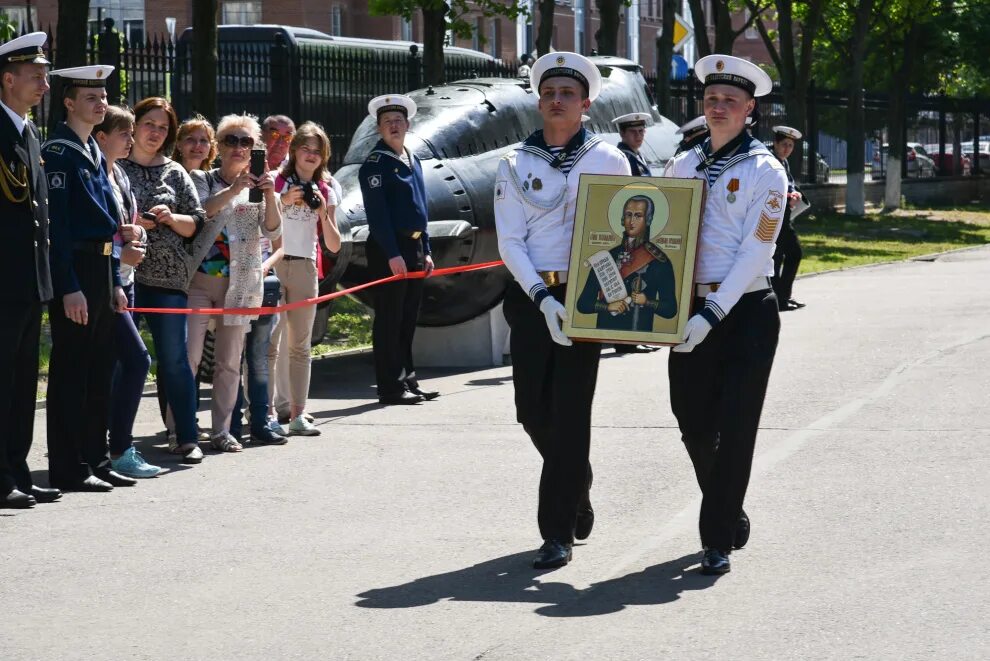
(132, 464)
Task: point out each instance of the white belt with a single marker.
(759, 284)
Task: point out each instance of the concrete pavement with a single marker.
(406, 533)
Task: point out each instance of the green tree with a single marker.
(439, 16)
(8, 29)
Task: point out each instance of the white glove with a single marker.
(695, 332)
(555, 315)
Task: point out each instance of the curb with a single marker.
(931, 257)
(149, 387)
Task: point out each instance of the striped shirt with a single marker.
(568, 163)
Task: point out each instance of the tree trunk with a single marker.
(607, 35)
(204, 57)
(700, 31)
(434, 34)
(855, 116)
(544, 31)
(71, 35)
(725, 36)
(897, 120)
(665, 54)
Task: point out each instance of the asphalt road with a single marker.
(406, 533)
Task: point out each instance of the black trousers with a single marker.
(396, 311)
(716, 393)
(554, 388)
(786, 260)
(80, 377)
(19, 337)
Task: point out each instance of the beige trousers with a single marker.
(299, 282)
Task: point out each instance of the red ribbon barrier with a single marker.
(319, 299)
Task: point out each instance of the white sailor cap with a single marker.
(392, 103)
(27, 48)
(735, 71)
(91, 76)
(633, 120)
(567, 65)
(787, 132)
(699, 123)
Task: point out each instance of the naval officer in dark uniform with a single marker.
(787, 257)
(554, 379)
(88, 292)
(395, 204)
(692, 134)
(719, 375)
(24, 210)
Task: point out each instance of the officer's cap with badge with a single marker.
(735, 71)
(786, 132)
(26, 48)
(91, 76)
(633, 120)
(696, 125)
(392, 103)
(567, 65)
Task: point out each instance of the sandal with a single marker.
(224, 442)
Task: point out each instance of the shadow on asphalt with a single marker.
(512, 579)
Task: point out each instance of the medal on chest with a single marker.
(732, 187)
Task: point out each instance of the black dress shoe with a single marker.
(17, 500)
(427, 395)
(43, 495)
(91, 484)
(795, 304)
(742, 531)
(552, 554)
(114, 478)
(585, 522)
(404, 397)
(715, 562)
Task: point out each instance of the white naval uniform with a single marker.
(737, 238)
(535, 204)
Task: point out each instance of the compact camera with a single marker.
(309, 195)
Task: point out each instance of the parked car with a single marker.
(949, 166)
(919, 163)
(822, 169)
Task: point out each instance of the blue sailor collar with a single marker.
(580, 144)
(750, 147)
(66, 137)
(384, 150)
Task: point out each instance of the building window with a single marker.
(127, 15)
(751, 32)
(406, 30)
(18, 18)
(478, 33)
(494, 38)
(241, 12)
(336, 21)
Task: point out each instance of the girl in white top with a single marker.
(308, 203)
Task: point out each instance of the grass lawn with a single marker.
(834, 241)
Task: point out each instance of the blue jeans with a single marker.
(170, 334)
(256, 352)
(133, 362)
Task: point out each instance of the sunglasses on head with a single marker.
(244, 141)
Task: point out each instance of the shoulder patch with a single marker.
(774, 201)
(56, 180)
(55, 149)
(375, 181)
(500, 185)
(374, 158)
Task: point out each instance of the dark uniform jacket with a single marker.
(82, 207)
(646, 270)
(24, 210)
(394, 198)
(791, 187)
(636, 162)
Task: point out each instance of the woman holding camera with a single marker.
(230, 276)
(169, 210)
(308, 203)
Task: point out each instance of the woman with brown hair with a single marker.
(195, 144)
(169, 209)
(308, 202)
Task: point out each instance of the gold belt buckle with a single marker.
(107, 249)
(415, 235)
(713, 286)
(550, 278)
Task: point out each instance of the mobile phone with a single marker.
(258, 164)
(147, 215)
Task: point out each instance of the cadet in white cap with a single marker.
(395, 204)
(787, 257)
(535, 197)
(24, 209)
(692, 133)
(718, 376)
(88, 292)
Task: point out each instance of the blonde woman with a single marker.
(195, 144)
(309, 202)
(231, 273)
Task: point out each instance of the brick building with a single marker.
(575, 23)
